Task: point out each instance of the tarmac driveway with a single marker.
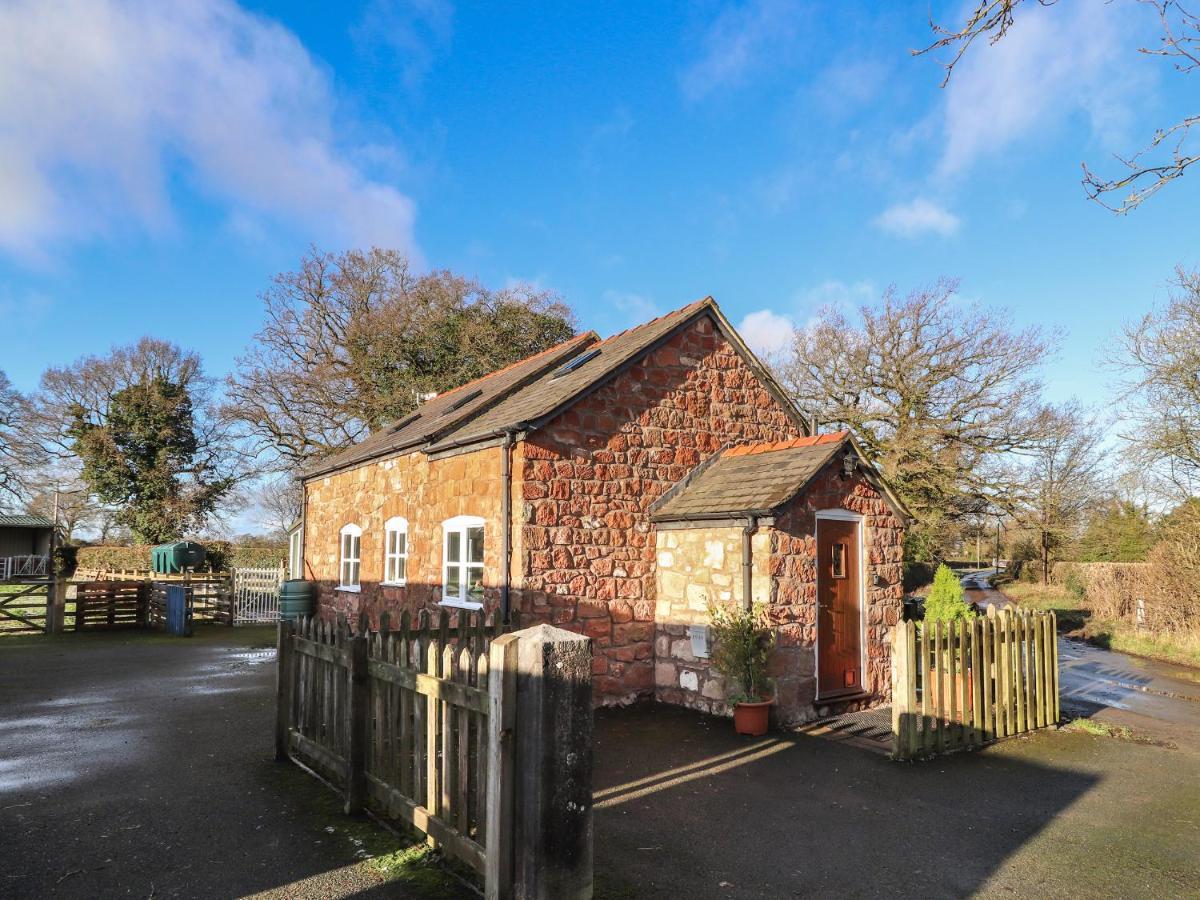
(140, 765)
(686, 808)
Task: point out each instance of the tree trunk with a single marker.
(1045, 559)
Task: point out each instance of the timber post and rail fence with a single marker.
(962, 684)
(477, 737)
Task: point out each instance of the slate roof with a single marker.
(441, 414)
(548, 394)
(24, 521)
(749, 479)
(530, 392)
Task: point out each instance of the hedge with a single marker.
(221, 556)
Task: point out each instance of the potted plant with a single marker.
(741, 643)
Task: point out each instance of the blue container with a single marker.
(179, 616)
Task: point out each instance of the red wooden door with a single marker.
(839, 631)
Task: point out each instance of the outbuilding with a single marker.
(804, 527)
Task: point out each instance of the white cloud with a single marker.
(834, 292)
(635, 308)
(767, 332)
(917, 218)
(1054, 61)
(744, 39)
(104, 104)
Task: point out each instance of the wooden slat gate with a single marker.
(404, 728)
(963, 684)
(421, 724)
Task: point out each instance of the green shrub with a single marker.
(945, 602)
(742, 642)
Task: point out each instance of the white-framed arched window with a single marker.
(395, 550)
(350, 541)
(462, 562)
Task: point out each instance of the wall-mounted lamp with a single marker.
(849, 464)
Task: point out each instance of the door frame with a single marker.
(844, 515)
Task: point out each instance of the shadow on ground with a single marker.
(137, 765)
(686, 806)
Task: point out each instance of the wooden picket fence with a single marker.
(397, 719)
(964, 684)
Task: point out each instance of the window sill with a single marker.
(393, 583)
(349, 588)
(461, 604)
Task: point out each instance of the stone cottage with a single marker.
(555, 487)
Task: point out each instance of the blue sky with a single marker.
(159, 162)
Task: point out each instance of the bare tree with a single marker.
(937, 390)
(18, 452)
(1062, 479)
(64, 490)
(278, 501)
(354, 340)
(1166, 157)
(1159, 356)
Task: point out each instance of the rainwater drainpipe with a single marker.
(748, 561)
(506, 531)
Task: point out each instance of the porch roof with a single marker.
(749, 479)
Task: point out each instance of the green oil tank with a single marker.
(178, 556)
(297, 598)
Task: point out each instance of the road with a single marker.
(1154, 698)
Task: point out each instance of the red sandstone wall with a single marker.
(794, 590)
(426, 492)
(589, 477)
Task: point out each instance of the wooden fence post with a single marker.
(502, 718)
(904, 692)
(359, 696)
(552, 834)
(284, 675)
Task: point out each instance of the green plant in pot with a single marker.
(742, 641)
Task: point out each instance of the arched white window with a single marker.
(351, 547)
(462, 562)
(296, 551)
(395, 550)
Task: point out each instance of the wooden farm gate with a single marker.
(963, 684)
(256, 594)
(26, 606)
(420, 724)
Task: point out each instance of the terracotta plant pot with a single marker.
(751, 718)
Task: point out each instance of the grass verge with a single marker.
(1075, 619)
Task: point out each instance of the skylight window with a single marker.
(575, 363)
(462, 401)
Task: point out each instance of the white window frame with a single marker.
(350, 559)
(296, 553)
(460, 525)
(395, 525)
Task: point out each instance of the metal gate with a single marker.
(256, 595)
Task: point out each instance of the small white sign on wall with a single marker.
(699, 636)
